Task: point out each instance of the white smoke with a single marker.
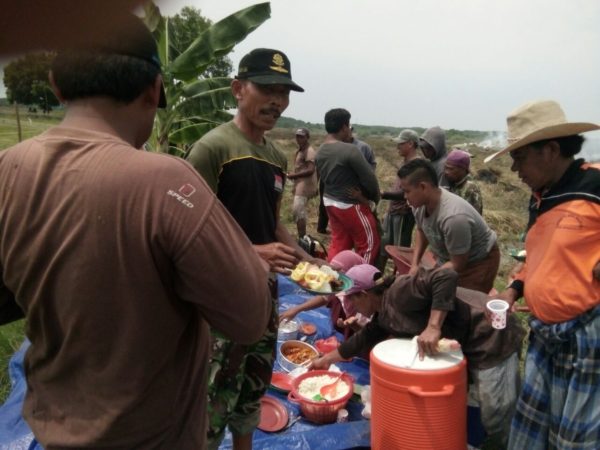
(494, 140)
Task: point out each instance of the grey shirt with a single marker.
(455, 228)
(366, 151)
(341, 166)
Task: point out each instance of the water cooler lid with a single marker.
(399, 353)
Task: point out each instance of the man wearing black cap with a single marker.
(100, 246)
(247, 172)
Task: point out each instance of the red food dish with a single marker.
(327, 345)
(273, 415)
(281, 381)
(308, 328)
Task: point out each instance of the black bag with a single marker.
(313, 246)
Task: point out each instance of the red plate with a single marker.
(281, 381)
(273, 415)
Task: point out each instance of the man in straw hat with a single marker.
(560, 282)
(99, 247)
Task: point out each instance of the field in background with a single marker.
(505, 202)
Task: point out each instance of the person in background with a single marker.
(456, 234)
(433, 145)
(560, 280)
(340, 311)
(247, 172)
(116, 257)
(459, 181)
(429, 305)
(304, 177)
(399, 221)
(368, 154)
(364, 148)
(350, 185)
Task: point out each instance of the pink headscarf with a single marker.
(346, 259)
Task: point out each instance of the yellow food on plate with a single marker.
(314, 277)
(299, 271)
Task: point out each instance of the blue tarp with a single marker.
(16, 435)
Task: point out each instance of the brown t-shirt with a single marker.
(120, 259)
(305, 186)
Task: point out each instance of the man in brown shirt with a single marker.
(120, 260)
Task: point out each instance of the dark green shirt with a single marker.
(248, 178)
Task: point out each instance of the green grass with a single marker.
(11, 337)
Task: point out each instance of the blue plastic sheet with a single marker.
(303, 435)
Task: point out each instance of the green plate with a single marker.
(346, 284)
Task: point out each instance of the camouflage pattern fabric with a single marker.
(239, 376)
(469, 190)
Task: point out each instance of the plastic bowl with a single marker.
(285, 363)
(325, 411)
(288, 330)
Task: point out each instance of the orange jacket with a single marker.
(563, 246)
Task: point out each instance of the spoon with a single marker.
(330, 389)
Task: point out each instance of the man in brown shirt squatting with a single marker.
(119, 259)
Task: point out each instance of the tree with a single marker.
(185, 80)
(186, 27)
(26, 80)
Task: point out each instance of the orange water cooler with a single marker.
(417, 405)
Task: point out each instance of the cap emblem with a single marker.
(279, 63)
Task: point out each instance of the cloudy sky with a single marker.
(455, 63)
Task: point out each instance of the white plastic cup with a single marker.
(342, 416)
(498, 310)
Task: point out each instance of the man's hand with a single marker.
(356, 194)
(324, 361)
(288, 314)
(428, 341)
(280, 257)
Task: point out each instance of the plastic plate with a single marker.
(281, 381)
(273, 415)
(346, 284)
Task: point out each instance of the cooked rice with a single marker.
(309, 387)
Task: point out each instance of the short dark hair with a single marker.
(569, 145)
(418, 171)
(335, 119)
(82, 74)
(118, 65)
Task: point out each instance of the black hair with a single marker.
(82, 74)
(418, 171)
(569, 145)
(335, 119)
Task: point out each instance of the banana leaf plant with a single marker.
(184, 81)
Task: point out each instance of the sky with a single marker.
(461, 64)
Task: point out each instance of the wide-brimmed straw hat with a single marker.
(536, 121)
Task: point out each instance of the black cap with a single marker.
(267, 66)
(129, 37)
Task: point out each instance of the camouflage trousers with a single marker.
(239, 376)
